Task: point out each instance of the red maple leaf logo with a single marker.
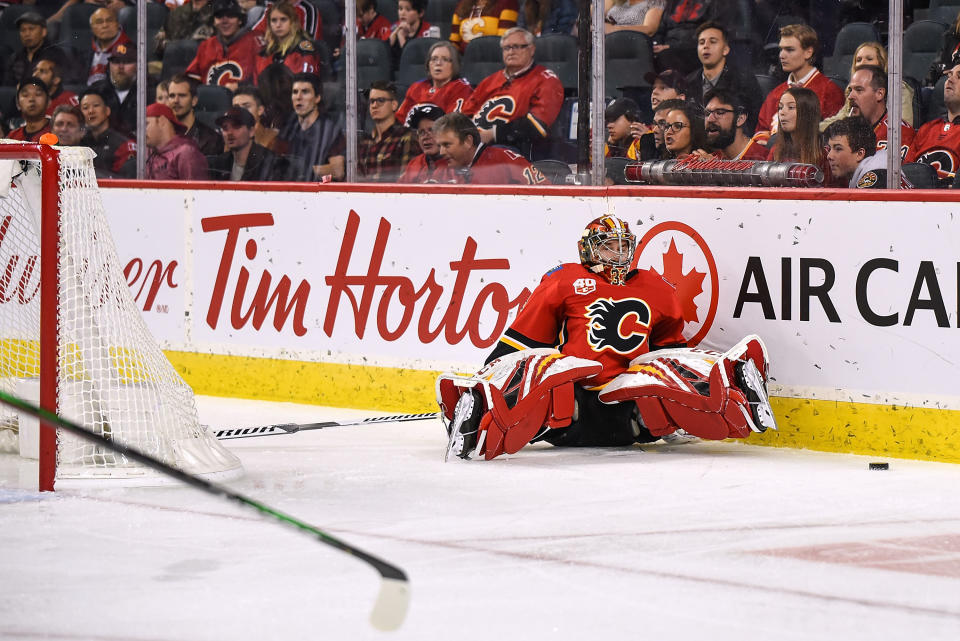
(689, 285)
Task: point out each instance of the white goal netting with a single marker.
(113, 377)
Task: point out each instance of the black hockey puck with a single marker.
(879, 466)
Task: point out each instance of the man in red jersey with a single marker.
(868, 98)
(517, 105)
(476, 163)
(798, 49)
(596, 357)
(230, 56)
(937, 143)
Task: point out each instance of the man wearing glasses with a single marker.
(383, 153)
(422, 168)
(724, 119)
(517, 105)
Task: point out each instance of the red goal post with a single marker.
(81, 347)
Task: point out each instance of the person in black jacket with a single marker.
(113, 149)
(717, 72)
(32, 29)
(244, 159)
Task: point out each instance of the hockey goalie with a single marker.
(596, 358)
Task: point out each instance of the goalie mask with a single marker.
(607, 247)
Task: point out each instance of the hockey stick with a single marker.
(293, 428)
(393, 600)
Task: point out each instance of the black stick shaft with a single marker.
(385, 569)
(293, 428)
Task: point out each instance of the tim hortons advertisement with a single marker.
(856, 301)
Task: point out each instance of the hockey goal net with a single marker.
(72, 337)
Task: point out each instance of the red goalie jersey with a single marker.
(583, 315)
(216, 64)
(522, 107)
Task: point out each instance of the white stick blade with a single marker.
(391, 607)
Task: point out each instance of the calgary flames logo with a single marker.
(941, 160)
(620, 325)
(224, 73)
(498, 109)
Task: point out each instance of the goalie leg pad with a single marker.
(691, 389)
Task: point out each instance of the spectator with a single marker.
(317, 146)
(541, 17)
(308, 16)
(799, 137)
(120, 88)
(421, 169)
(517, 105)
(937, 142)
(798, 49)
(68, 125)
(107, 36)
(867, 97)
(476, 18)
(163, 92)
(474, 162)
(385, 151)
(34, 46)
(287, 43)
(409, 26)
(649, 144)
(949, 55)
(182, 99)
(724, 120)
(275, 85)
(32, 100)
(683, 133)
(620, 115)
(642, 16)
(173, 156)
(852, 151)
(249, 98)
(244, 159)
(677, 46)
(666, 85)
(873, 53)
(370, 24)
(717, 72)
(228, 57)
(443, 85)
(50, 71)
(113, 149)
(192, 20)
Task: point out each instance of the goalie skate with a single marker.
(463, 429)
(751, 383)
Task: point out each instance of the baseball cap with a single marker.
(33, 80)
(31, 17)
(622, 107)
(238, 116)
(670, 78)
(124, 53)
(227, 8)
(426, 110)
(163, 111)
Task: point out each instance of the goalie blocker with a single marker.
(621, 373)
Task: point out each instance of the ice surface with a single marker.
(714, 541)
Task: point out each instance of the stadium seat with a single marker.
(851, 36)
(177, 56)
(440, 14)
(920, 175)
(615, 167)
(412, 61)
(8, 102)
(558, 53)
(75, 27)
(326, 73)
(555, 171)
(936, 4)
(767, 83)
(921, 44)
(933, 107)
(333, 98)
(945, 14)
(481, 58)
(629, 58)
(330, 16)
(388, 9)
(373, 62)
(156, 17)
(213, 99)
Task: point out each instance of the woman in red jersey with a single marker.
(287, 43)
(443, 85)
